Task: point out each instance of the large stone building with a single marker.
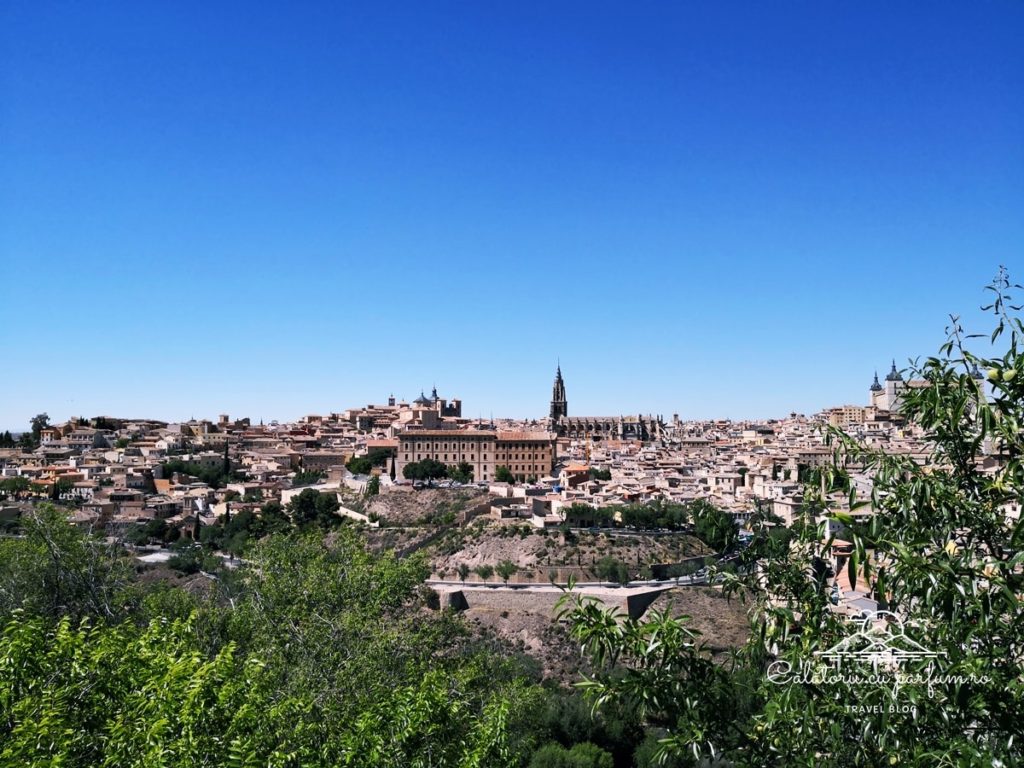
(526, 454)
(846, 415)
(886, 397)
(596, 428)
(559, 402)
(424, 411)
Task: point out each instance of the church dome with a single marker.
(423, 400)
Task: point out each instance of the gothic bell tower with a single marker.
(559, 405)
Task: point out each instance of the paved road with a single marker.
(682, 581)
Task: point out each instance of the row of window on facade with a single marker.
(464, 457)
(438, 447)
(471, 457)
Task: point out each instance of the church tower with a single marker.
(889, 398)
(559, 405)
(875, 393)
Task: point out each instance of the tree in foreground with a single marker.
(941, 551)
(55, 570)
(304, 478)
(38, 424)
(376, 457)
(583, 755)
(15, 487)
(312, 508)
(463, 473)
(315, 653)
(506, 569)
(373, 486)
(610, 568)
(427, 469)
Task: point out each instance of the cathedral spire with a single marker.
(559, 403)
(894, 375)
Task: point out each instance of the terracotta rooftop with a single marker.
(526, 436)
(448, 433)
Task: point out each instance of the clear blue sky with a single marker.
(715, 209)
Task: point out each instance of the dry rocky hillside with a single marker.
(540, 554)
(431, 521)
(527, 621)
(403, 506)
(723, 623)
(434, 520)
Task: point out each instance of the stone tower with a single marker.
(559, 405)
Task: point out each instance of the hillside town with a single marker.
(316, 489)
(120, 473)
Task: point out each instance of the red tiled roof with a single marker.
(545, 436)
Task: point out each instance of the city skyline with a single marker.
(433, 392)
(721, 212)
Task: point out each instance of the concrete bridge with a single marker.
(632, 601)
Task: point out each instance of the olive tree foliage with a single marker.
(56, 570)
(39, 423)
(506, 569)
(942, 551)
(116, 695)
(110, 695)
(312, 508)
(657, 668)
(582, 755)
(312, 653)
(349, 630)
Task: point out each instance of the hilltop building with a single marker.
(886, 397)
(597, 428)
(423, 411)
(528, 455)
(559, 402)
